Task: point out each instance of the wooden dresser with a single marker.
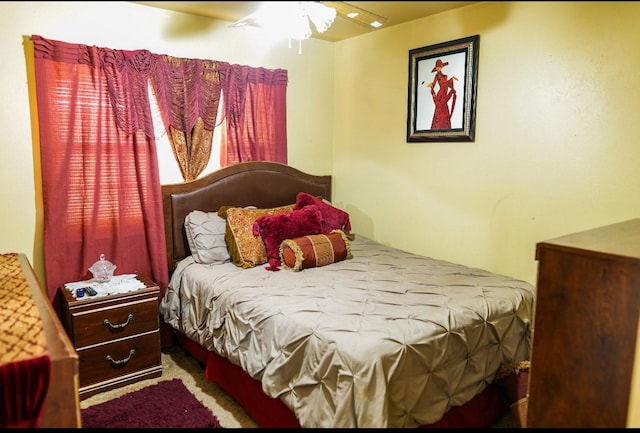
(585, 328)
(62, 406)
(117, 337)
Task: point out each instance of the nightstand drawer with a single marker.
(106, 324)
(119, 358)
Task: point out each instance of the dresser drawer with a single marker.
(114, 322)
(119, 358)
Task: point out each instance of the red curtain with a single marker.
(101, 186)
(254, 111)
(255, 102)
(188, 95)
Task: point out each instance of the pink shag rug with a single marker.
(167, 404)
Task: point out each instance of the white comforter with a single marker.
(386, 339)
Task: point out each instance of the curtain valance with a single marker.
(186, 89)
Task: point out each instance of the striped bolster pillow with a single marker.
(314, 250)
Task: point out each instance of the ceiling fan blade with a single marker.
(267, 13)
(357, 15)
(321, 15)
(249, 20)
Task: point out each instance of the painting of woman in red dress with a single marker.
(446, 92)
(441, 104)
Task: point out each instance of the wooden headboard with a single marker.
(258, 183)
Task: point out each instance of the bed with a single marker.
(377, 337)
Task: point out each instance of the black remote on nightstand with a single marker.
(90, 291)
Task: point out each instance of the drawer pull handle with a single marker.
(121, 361)
(122, 325)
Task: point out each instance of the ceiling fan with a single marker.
(295, 17)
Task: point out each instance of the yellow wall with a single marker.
(556, 148)
(557, 124)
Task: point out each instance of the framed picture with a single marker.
(442, 91)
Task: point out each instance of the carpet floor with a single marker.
(167, 404)
(178, 365)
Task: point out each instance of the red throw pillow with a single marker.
(273, 229)
(332, 217)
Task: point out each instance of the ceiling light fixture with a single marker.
(294, 18)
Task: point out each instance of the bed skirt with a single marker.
(481, 411)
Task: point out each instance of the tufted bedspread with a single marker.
(386, 339)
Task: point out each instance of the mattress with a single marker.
(385, 339)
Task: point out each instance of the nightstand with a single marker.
(117, 336)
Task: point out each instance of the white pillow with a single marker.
(205, 235)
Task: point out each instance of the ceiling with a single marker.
(397, 12)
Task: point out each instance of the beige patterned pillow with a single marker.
(246, 249)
